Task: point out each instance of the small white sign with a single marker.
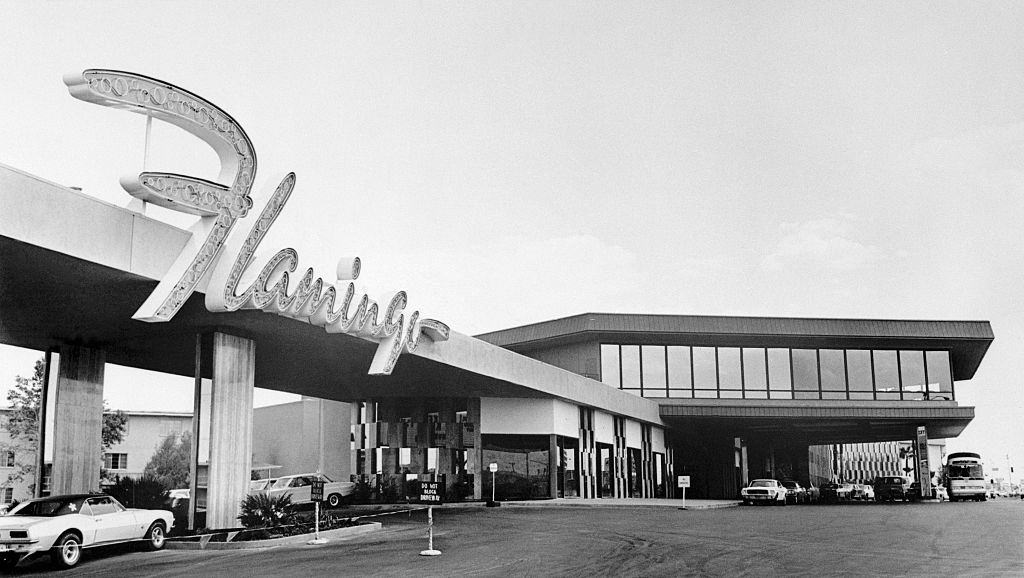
(684, 481)
(493, 467)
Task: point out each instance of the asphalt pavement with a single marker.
(564, 539)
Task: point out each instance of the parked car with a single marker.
(764, 492)
(890, 488)
(298, 487)
(845, 492)
(795, 493)
(828, 492)
(866, 492)
(813, 495)
(64, 525)
(914, 492)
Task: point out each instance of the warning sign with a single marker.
(432, 492)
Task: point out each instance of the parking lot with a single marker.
(859, 539)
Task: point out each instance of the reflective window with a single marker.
(704, 370)
(805, 373)
(729, 372)
(939, 378)
(833, 370)
(858, 363)
(630, 366)
(912, 374)
(705, 393)
(679, 376)
(654, 370)
(634, 390)
(755, 375)
(610, 364)
(779, 379)
(887, 375)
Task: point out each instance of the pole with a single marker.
(430, 551)
(684, 497)
(317, 540)
(492, 487)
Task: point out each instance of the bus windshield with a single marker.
(966, 471)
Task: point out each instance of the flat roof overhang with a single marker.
(74, 269)
(967, 341)
(819, 421)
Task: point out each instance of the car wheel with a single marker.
(334, 500)
(156, 536)
(67, 550)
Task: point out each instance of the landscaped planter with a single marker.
(205, 542)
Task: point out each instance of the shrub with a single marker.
(263, 511)
(146, 492)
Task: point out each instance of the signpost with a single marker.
(684, 482)
(316, 494)
(493, 468)
(431, 493)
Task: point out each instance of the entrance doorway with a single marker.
(605, 471)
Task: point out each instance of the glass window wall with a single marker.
(653, 361)
(887, 375)
(705, 378)
(858, 364)
(680, 377)
(912, 374)
(805, 373)
(630, 355)
(658, 371)
(610, 365)
(755, 372)
(780, 379)
(940, 379)
(730, 374)
(833, 373)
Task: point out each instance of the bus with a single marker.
(964, 477)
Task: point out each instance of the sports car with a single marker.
(764, 491)
(64, 525)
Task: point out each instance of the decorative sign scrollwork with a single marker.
(220, 206)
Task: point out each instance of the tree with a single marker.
(23, 424)
(170, 464)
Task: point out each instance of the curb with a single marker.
(337, 534)
(677, 506)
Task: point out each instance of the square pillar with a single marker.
(231, 363)
(78, 419)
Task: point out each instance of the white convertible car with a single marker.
(63, 525)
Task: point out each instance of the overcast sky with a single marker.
(518, 162)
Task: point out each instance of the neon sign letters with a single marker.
(219, 207)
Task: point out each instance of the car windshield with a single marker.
(48, 508)
(762, 484)
(789, 484)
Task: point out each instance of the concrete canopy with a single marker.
(74, 269)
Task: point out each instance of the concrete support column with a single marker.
(552, 465)
(229, 412)
(78, 419)
(474, 449)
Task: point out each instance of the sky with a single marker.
(509, 163)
